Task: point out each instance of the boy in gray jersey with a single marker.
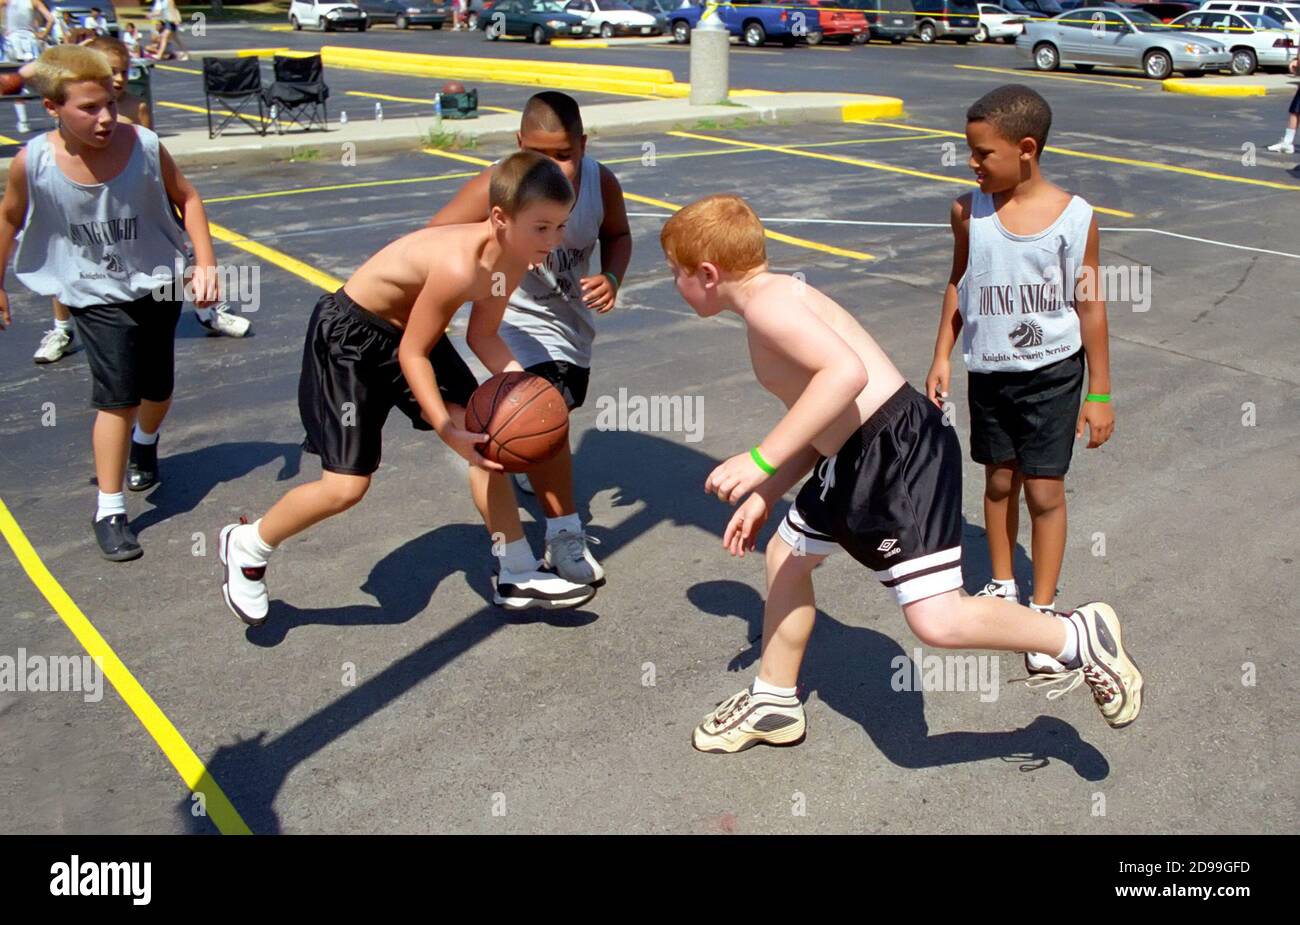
(102, 237)
(1023, 294)
(548, 322)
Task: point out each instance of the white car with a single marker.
(326, 16)
(1288, 14)
(1254, 39)
(998, 23)
(614, 17)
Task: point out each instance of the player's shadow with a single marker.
(187, 478)
(852, 668)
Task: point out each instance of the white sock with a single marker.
(518, 558)
(1070, 653)
(140, 437)
(1288, 137)
(248, 543)
(110, 504)
(762, 687)
(1042, 608)
(570, 522)
(65, 326)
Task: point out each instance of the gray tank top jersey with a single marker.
(1017, 296)
(546, 319)
(100, 243)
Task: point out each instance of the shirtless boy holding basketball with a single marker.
(378, 343)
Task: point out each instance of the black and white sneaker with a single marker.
(242, 587)
(538, 588)
(116, 541)
(142, 469)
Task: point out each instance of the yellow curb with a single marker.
(578, 43)
(1201, 88)
(258, 52)
(880, 107)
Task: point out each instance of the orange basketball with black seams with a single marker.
(524, 416)
(11, 83)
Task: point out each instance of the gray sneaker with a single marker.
(567, 553)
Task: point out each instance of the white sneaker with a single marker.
(243, 587)
(993, 589)
(538, 588)
(55, 345)
(222, 321)
(567, 553)
(1282, 148)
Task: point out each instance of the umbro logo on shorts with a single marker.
(889, 548)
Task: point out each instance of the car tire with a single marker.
(982, 33)
(293, 21)
(362, 26)
(816, 38)
(961, 39)
(401, 22)
(1084, 68)
(538, 35)
(1046, 56)
(861, 38)
(1157, 64)
(1244, 62)
(472, 20)
(1008, 39)
(754, 35)
(682, 32)
(927, 33)
(606, 31)
(895, 40)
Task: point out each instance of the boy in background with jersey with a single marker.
(1023, 293)
(548, 321)
(102, 237)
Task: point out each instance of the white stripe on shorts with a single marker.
(803, 538)
(924, 577)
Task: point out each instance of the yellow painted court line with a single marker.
(178, 752)
(278, 258)
(340, 186)
(1101, 81)
(6, 140)
(1112, 159)
(179, 70)
(188, 108)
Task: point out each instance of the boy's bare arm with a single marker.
(13, 214)
(439, 298)
(469, 205)
(186, 198)
(1095, 334)
(484, 338)
(599, 292)
(938, 379)
(837, 378)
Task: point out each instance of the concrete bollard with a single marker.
(710, 45)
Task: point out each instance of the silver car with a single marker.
(1093, 37)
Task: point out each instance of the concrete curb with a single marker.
(1198, 87)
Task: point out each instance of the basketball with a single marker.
(452, 86)
(11, 83)
(524, 416)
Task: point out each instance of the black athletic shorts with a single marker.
(571, 380)
(1295, 104)
(131, 350)
(1028, 418)
(351, 380)
(891, 497)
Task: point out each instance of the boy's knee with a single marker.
(343, 493)
(1044, 495)
(936, 626)
(781, 556)
(999, 482)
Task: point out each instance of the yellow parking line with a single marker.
(278, 258)
(179, 70)
(188, 108)
(270, 194)
(1032, 73)
(6, 140)
(191, 769)
(859, 162)
(1112, 159)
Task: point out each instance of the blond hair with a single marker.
(64, 64)
(722, 230)
(526, 177)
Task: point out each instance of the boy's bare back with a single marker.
(792, 326)
(388, 283)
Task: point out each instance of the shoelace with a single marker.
(730, 707)
(49, 336)
(826, 472)
(573, 545)
(1104, 689)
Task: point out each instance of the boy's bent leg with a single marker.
(566, 540)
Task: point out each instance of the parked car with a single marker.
(1128, 38)
(613, 17)
(997, 22)
(753, 23)
(946, 19)
(405, 13)
(1043, 8)
(659, 9)
(1169, 10)
(841, 22)
(892, 20)
(539, 20)
(1253, 39)
(1288, 14)
(326, 15)
(475, 13)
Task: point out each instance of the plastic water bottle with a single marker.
(379, 111)
(437, 110)
(343, 117)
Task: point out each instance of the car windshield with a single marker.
(546, 6)
(614, 5)
(1014, 6)
(1260, 21)
(1145, 22)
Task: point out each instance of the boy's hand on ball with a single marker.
(598, 293)
(1100, 420)
(735, 478)
(742, 532)
(466, 443)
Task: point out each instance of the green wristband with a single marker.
(1094, 396)
(762, 463)
(613, 278)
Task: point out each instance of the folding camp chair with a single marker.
(236, 84)
(299, 93)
